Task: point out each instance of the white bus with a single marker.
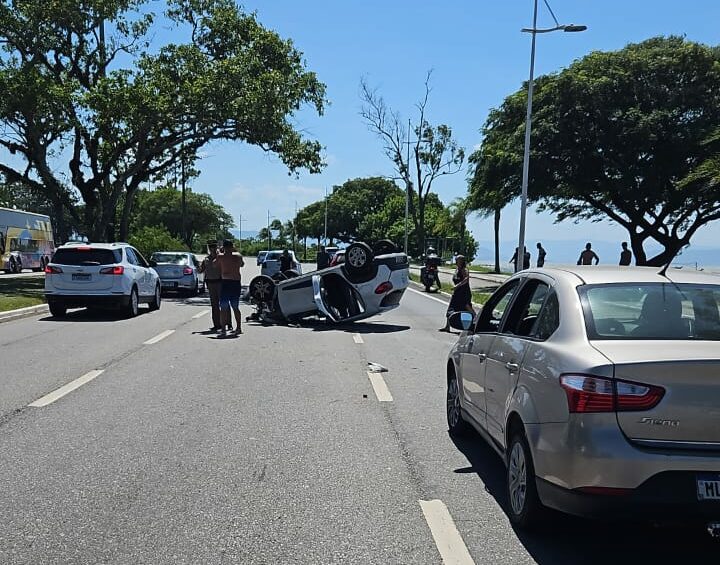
(26, 240)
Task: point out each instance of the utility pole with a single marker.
(295, 229)
(326, 206)
(183, 233)
(407, 190)
(268, 228)
(240, 226)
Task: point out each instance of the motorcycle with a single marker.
(429, 276)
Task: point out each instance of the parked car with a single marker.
(363, 286)
(599, 389)
(338, 258)
(113, 275)
(261, 257)
(271, 263)
(179, 271)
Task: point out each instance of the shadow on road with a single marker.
(354, 327)
(569, 539)
(94, 315)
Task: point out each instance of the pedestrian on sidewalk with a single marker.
(541, 255)
(588, 256)
(211, 269)
(461, 299)
(625, 255)
(526, 259)
(230, 264)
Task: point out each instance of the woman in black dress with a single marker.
(461, 299)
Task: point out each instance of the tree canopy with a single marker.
(90, 108)
(618, 135)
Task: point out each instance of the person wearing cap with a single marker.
(211, 268)
(230, 263)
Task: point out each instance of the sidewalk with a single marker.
(480, 281)
(11, 315)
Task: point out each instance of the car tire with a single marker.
(383, 247)
(132, 308)
(524, 507)
(457, 426)
(57, 310)
(358, 257)
(262, 289)
(156, 299)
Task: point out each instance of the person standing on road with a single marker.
(461, 299)
(588, 256)
(211, 268)
(322, 258)
(514, 259)
(625, 255)
(230, 264)
(541, 255)
(286, 261)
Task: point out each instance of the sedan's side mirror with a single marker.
(461, 320)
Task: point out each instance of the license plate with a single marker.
(708, 487)
(169, 285)
(81, 276)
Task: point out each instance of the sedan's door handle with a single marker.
(482, 357)
(512, 367)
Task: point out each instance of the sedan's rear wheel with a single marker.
(525, 507)
(457, 426)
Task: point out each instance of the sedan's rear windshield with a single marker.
(652, 311)
(174, 258)
(87, 256)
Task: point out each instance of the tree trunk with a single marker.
(125, 218)
(636, 242)
(497, 240)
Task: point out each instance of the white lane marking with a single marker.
(62, 391)
(448, 540)
(159, 337)
(381, 390)
(426, 296)
(200, 314)
(357, 338)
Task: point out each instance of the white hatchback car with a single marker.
(113, 275)
(271, 263)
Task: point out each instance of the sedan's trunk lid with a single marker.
(689, 371)
(169, 270)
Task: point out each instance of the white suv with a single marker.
(100, 275)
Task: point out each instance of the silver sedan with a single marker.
(599, 388)
(179, 271)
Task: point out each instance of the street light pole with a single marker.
(520, 255)
(326, 207)
(268, 229)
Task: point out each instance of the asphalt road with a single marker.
(272, 447)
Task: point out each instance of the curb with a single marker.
(448, 294)
(11, 315)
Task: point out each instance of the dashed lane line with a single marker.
(62, 391)
(381, 390)
(159, 337)
(426, 296)
(357, 338)
(200, 314)
(448, 540)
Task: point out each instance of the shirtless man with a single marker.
(230, 264)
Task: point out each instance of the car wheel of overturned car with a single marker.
(358, 257)
(262, 288)
(383, 247)
(524, 505)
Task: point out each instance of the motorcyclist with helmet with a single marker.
(429, 273)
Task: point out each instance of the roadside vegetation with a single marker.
(21, 292)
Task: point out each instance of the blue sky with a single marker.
(478, 56)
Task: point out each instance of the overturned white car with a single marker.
(370, 281)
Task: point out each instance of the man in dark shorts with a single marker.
(213, 282)
(230, 263)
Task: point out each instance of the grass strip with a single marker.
(21, 292)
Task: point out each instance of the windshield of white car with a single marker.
(652, 311)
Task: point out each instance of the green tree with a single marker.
(162, 207)
(95, 111)
(149, 239)
(433, 151)
(622, 136)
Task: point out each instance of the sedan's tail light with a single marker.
(116, 270)
(600, 394)
(187, 271)
(52, 270)
(384, 287)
